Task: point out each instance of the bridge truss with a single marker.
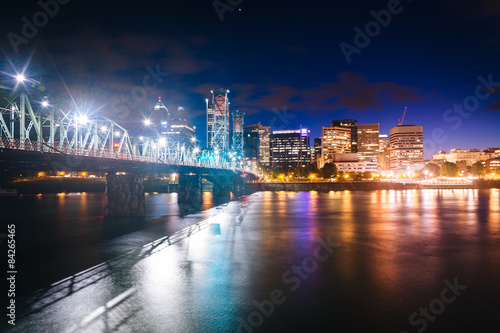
(45, 128)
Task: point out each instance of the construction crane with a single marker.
(401, 121)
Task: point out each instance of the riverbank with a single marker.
(51, 185)
(366, 185)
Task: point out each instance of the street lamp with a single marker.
(45, 102)
(20, 78)
(147, 122)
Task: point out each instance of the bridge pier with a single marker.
(124, 195)
(221, 188)
(190, 195)
(238, 187)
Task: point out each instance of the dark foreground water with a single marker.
(382, 261)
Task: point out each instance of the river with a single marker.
(343, 261)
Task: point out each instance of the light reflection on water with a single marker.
(396, 249)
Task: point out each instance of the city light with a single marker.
(20, 78)
(104, 129)
(147, 122)
(45, 103)
(82, 119)
(196, 150)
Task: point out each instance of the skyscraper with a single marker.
(290, 147)
(407, 147)
(181, 131)
(334, 140)
(384, 152)
(160, 117)
(264, 141)
(348, 123)
(368, 145)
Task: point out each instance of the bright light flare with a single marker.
(147, 122)
(45, 103)
(20, 78)
(83, 119)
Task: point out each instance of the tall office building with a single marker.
(264, 141)
(181, 131)
(368, 145)
(334, 140)
(290, 147)
(160, 117)
(251, 144)
(407, 147)
(316, 150)
(384, 152)
(351, 124)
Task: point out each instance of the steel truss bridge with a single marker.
(40, 127)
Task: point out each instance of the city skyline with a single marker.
(304, 79)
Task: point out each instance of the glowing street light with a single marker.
(45, 102)
(117, 134)
(20, 78)
(196, 150)
(104, 129)
(193, 139)
(83, 119)
(147, 122)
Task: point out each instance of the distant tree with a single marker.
(354, 175)
(449, 169)
(329, 170)
(477, 169)
(366, 175)
(433, 169)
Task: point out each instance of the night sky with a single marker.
(272, 55)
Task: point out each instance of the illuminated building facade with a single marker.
(407, 147)
(290, 147)
(264, 134)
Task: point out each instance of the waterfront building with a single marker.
(407, 147)
(334, 140)
(470, 156)
(290, 147)
(384, 152)
(368, 146)
(264, 133)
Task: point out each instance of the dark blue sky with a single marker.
(273, 55)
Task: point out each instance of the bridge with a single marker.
(36, 135)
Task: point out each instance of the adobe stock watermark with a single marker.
(138, 95)
(455, 115)
(30, 28)
(292, 279)
(372, 29)
(222, 7)
(426, 315)
(283, 116)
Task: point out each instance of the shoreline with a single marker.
(366, 186)
(97, 185)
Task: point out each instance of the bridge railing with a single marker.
(29, 145)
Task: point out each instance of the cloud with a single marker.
(350, 91)
(494, 107)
